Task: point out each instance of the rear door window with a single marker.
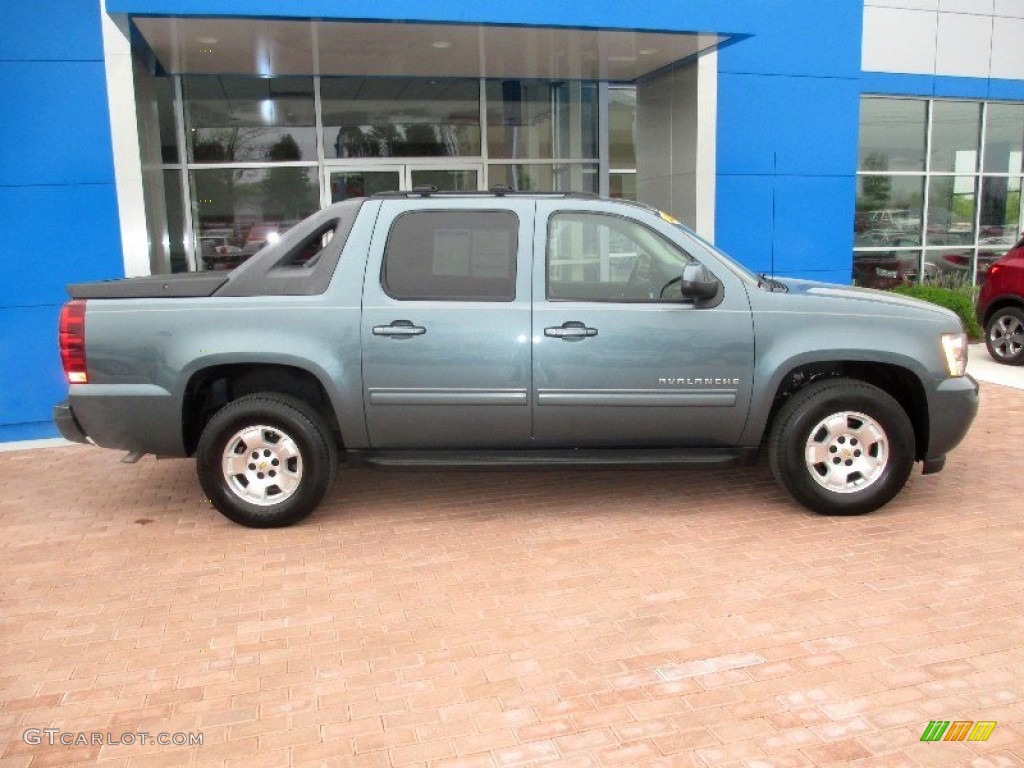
(452, 256)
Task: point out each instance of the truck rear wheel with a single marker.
(842, 447)
(266, 460)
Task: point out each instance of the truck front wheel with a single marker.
(266, 460)
(842, 447)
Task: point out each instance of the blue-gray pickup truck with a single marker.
(509, 329)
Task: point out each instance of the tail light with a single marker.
(72, 341)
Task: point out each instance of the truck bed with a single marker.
(183, 286)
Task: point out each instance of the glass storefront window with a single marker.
(154, 103)
(974, 210)
(949, 266)
(889, 210)
(163, 92)
(956, 127)
(622, 127)
(885, 269)
(175, 243)
(950, 210)
(622, 185)
(255, 164)
(1000, 211)
(541, 120)
(892, 134)
(540, 177)
(1004, 138)
(400, 117)
(238, 211)
(233, 119)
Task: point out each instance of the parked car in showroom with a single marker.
(260, 235)
(218, 252)
(1001, 307)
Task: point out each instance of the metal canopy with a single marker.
(271, 47)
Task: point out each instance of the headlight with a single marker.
(955, 347)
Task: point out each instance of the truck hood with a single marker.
(859, 299)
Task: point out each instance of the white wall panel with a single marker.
(964, 45)
(899, 40)
(980, 7)
(1013, 8)
(920, 5)
(124, 132)
(1007, 51)
(949, 38)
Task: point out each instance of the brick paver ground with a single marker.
(558, 618)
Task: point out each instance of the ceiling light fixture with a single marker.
(207, 40)
(442, 44)
(647, 51)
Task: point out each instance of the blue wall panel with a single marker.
(814, 225)
(58, 207)
(51, 30)
(31, 378)
(787, 125)
(744, 220)
(66, 234)
(58, 131)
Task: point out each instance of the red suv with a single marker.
(1001, 307)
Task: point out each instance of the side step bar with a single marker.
(601, 457)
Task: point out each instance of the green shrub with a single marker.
(960, 300)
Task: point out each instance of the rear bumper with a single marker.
(952, 407)
(68, 425)
(130, 417)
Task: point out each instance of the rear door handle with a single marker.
(399, 328)
(573, 330)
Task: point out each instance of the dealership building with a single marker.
(852, 141)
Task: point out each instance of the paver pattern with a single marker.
(567, 618)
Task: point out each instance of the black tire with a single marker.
(300, 455)
(1004, 336)
(857, 474)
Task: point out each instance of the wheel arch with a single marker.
(211, 388)
(1001, 303)
(900, 382)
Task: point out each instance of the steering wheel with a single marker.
(669, 284)
(634, 283)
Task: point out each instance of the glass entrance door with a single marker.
(446, 179)
(346, 183)
(350, 182)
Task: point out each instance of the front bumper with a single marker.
(952, 406)
(68, 425)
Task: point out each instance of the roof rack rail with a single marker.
(498, 190)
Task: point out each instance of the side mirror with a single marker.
(698, 283)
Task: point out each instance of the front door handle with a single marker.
(573, 330)
(399, 329)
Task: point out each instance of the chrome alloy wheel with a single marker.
(262, 465)
(1006, 337)
(846, 452)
